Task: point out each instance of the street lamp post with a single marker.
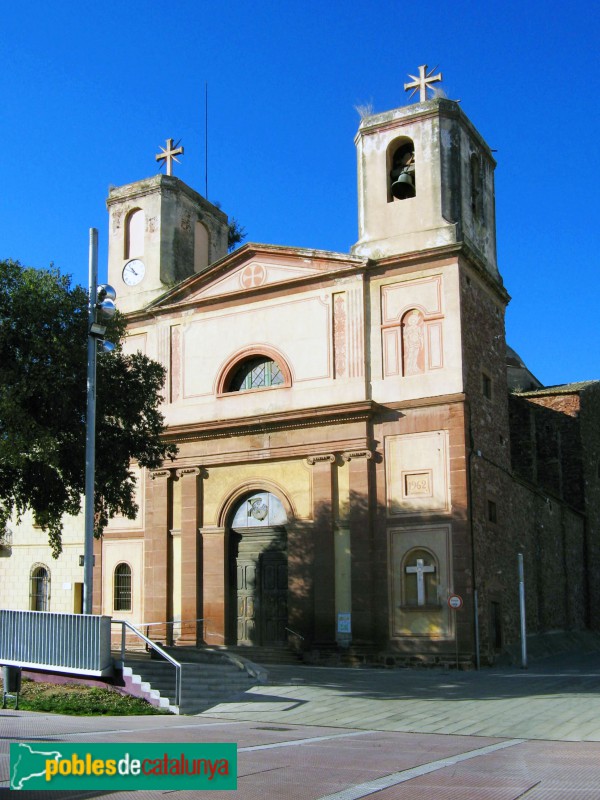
(100, 301)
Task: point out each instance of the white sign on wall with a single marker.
(344, 624)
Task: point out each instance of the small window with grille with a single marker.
(39, 593)
(122, 587)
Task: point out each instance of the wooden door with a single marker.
(273, 601)
(247, 602)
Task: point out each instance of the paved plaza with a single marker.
(338, 734)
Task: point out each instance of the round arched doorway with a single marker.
(258, 571)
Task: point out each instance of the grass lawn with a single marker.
(72, 698)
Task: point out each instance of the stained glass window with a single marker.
(256, 373)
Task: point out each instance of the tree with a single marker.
(43, 368)
(235, 234)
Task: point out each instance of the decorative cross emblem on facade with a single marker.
(168, 155)
(422, 83)
(420, 569)
(253, 275)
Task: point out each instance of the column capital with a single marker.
(160, 473)
(184, 471)
(350, 455)
(321, 458)
(212, 529)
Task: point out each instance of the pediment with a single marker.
(255, 267)
(255, 273)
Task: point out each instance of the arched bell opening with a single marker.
(401, 184)
(135, 223)
(476, 187)
(258, 571)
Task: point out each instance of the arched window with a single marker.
(256, 373)
(254, 368)
(401, 183)
(201, 242)
(39, 593)
(134, 234)
(420, 578)
(122, 587)
(476, 187)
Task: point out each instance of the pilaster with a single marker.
(360, 543)
(156, 583)
(324, 547)
(191, 557)
(215, 554)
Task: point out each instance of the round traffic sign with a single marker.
(455, 601)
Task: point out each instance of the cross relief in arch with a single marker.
(420, 569)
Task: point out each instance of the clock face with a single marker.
(133, 272)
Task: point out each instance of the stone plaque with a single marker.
(417, 484)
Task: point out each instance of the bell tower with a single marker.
(160, 232)
(425, 180)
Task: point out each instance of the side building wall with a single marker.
(28, 550)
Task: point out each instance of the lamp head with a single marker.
(106, 292)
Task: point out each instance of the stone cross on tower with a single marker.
(420, 569)
(168, 155)
(422, 83)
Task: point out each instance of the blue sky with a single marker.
(90, 91)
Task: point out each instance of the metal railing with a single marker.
(60, 642)
(150, 644)
(174, 622)
(294, 633)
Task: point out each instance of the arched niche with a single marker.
(420, 578)
(412, 326)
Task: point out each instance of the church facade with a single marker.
(348, 456)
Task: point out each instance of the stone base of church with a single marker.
(387, 659)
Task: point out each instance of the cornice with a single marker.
(300, 418)
(424, 402)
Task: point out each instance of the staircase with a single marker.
(265, 655)
(208, 677)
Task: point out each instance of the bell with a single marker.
(404, 186)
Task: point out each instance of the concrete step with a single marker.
(267, 655)
(207, 678)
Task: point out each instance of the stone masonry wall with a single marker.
(546, 444)
(488, 464)
(590, 439)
